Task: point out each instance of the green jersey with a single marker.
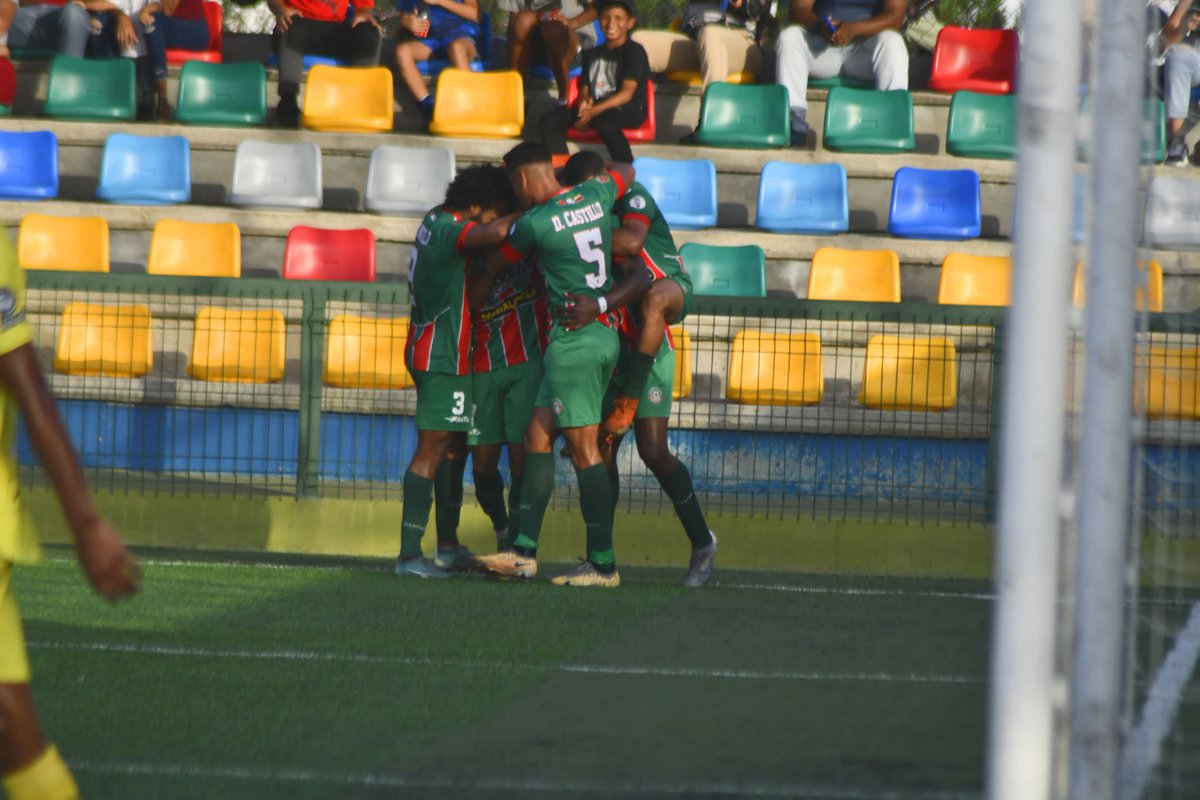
(658, 252)
(439, 332)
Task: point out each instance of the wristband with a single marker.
(603, 305)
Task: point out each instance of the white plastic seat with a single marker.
(408, 180)
(1173, 213)
(277, 175)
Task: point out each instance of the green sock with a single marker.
(640, 365)
(418, 498)
(678, 486)
(536, 490)
(516, 480)
(595, 501)
(448, 496)
(614, 486)
(489, 491)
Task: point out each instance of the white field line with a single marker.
(517, 786)
(580, 669)
(1162, 703)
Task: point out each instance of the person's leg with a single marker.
(407, 56)
(363, 44)
(803, 55)
(489, 485)
(156, 49)
(726, 51)
(461, 52)
(24, 29)
(432, 449)
(611, 125)
(290, 47)
(560, 45)
(1182, 73)
(882, 58)
(520, 28)
(668, 51)
(538, 486)
(516, 477)
(553, 127)
(661, 304)
(74, 29)
(448, 496)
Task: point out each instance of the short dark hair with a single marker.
(581, 166)
(483, 185)
(526, 153)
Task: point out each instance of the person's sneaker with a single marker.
(1177, 153)
(420, 568)
(799, 137)
(619, 419)
(458, 559)
(586, 574)
(700, 568)
(509, 564)
(425, 106)
(287, 113)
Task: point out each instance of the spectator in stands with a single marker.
(8, 10)
(550, 31)
(856, 38)
(444, 28)
(50, 25)
(321, 27)
(612, 87)
(1179, 38)
(715, 39)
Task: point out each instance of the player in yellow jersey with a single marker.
(31, 767)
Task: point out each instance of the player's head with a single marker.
(583, 165)
(530, 172)
(481, 191)
(617, 18)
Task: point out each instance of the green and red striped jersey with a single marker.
(439, 332)
(514, 324)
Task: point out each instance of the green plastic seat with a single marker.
(233, 94)
(869, 121)
(89, 89)
(32, 54)
(5, 111)
(726, 271)
(982, 125)
(749, 115)
(1153, 149)
(838, 80)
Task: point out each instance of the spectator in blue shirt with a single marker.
(440, 28)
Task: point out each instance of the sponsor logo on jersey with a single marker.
(569, 199)
(529, 294)
(655, 395)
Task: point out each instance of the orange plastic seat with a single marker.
(366, 353)
(479, 105)
(76, 244)
(108, 341)
(1173, 383)
(238, 346)
(682, 341)
(1154, 287)
(871, 276)
(202, 249)
(975, 280)
(776, 369)
(910, 374)
(348, 99)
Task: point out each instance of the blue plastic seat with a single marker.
(28, 165)
(686, 191)
(483, 49)
(145, 170)
(935, 204)
(310, 61)
(803, 198)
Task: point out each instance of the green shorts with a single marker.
(579, 366)
(444, 402)
(504, 401)
(685, 284)
(655, 402)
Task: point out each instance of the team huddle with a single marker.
(520, 331)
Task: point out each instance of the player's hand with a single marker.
(580, 310)
(846, 33)
(126, 35)
(584, 117)
(366, 15)
(109, 567)
(283, 20)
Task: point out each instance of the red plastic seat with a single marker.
(321, 254)
(215, 17)
(975, 60)
(642, 133)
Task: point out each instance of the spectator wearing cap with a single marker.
(612, 87)
(51, 25)
(446, 28)
(553, 31)
(856, 38)
(715, 39)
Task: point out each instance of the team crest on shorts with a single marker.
(557, 406)
(655, 395)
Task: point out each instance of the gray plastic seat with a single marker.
(408, 180)
(1173, 213)
(277, 175)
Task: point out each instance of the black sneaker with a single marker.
(1177, 153)
(287, 113)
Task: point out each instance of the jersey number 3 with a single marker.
(591, 249)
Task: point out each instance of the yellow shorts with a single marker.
(14, 663)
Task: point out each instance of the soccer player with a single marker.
(569, 230)
(31, 768)
(438, 356)
(645, 233)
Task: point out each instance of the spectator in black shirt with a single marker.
(612, 87)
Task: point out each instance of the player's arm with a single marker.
(108, 565)
(629, 239)
(582, 309)
(482, 235)
(623, 175)
(483, 277)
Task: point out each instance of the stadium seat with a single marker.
(935, 204)
(722, 271)
(319, 254)
(867, 276)
(1172, 383)
(909, 374)
(643, 133)
(145, 170)
(5, 111)
(869, 121)
(408, 180)
(73, 244)
(366, 353)
(776, 369)
(839, 80)
(685, 191)
(277, 175)
(483, 49)
(91, 89)
(982, 125)
(222, 94)
(108, 341)
(482, 105)
(1173, 213)
(975, 59)
(744, 116)
(214, 15)
(200, 249)
(692, 78)
(802, 198)
(1154, 148)
(28, 165)
(975, 280)
(348, 99)
(681, 340)
(1153, 288)
(238, 346)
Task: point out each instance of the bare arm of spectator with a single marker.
(365, 13)
(283, 13)
(890, 19)
(467, 9)
(586, 18)
(1174, 30)
(801, 13)
(126, 35)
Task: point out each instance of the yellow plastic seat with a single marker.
(76, 244)
(683, 362)
(481, 105)
(871, 276)
(975, 280)
(910, 374)
(366, 353)
(203, 249)
(691, 78)
(108, 341)
(348, 99)
(776, 369)
(1154, 283)
(238, 346)
(1173, 383)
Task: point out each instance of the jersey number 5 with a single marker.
(591, 249)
